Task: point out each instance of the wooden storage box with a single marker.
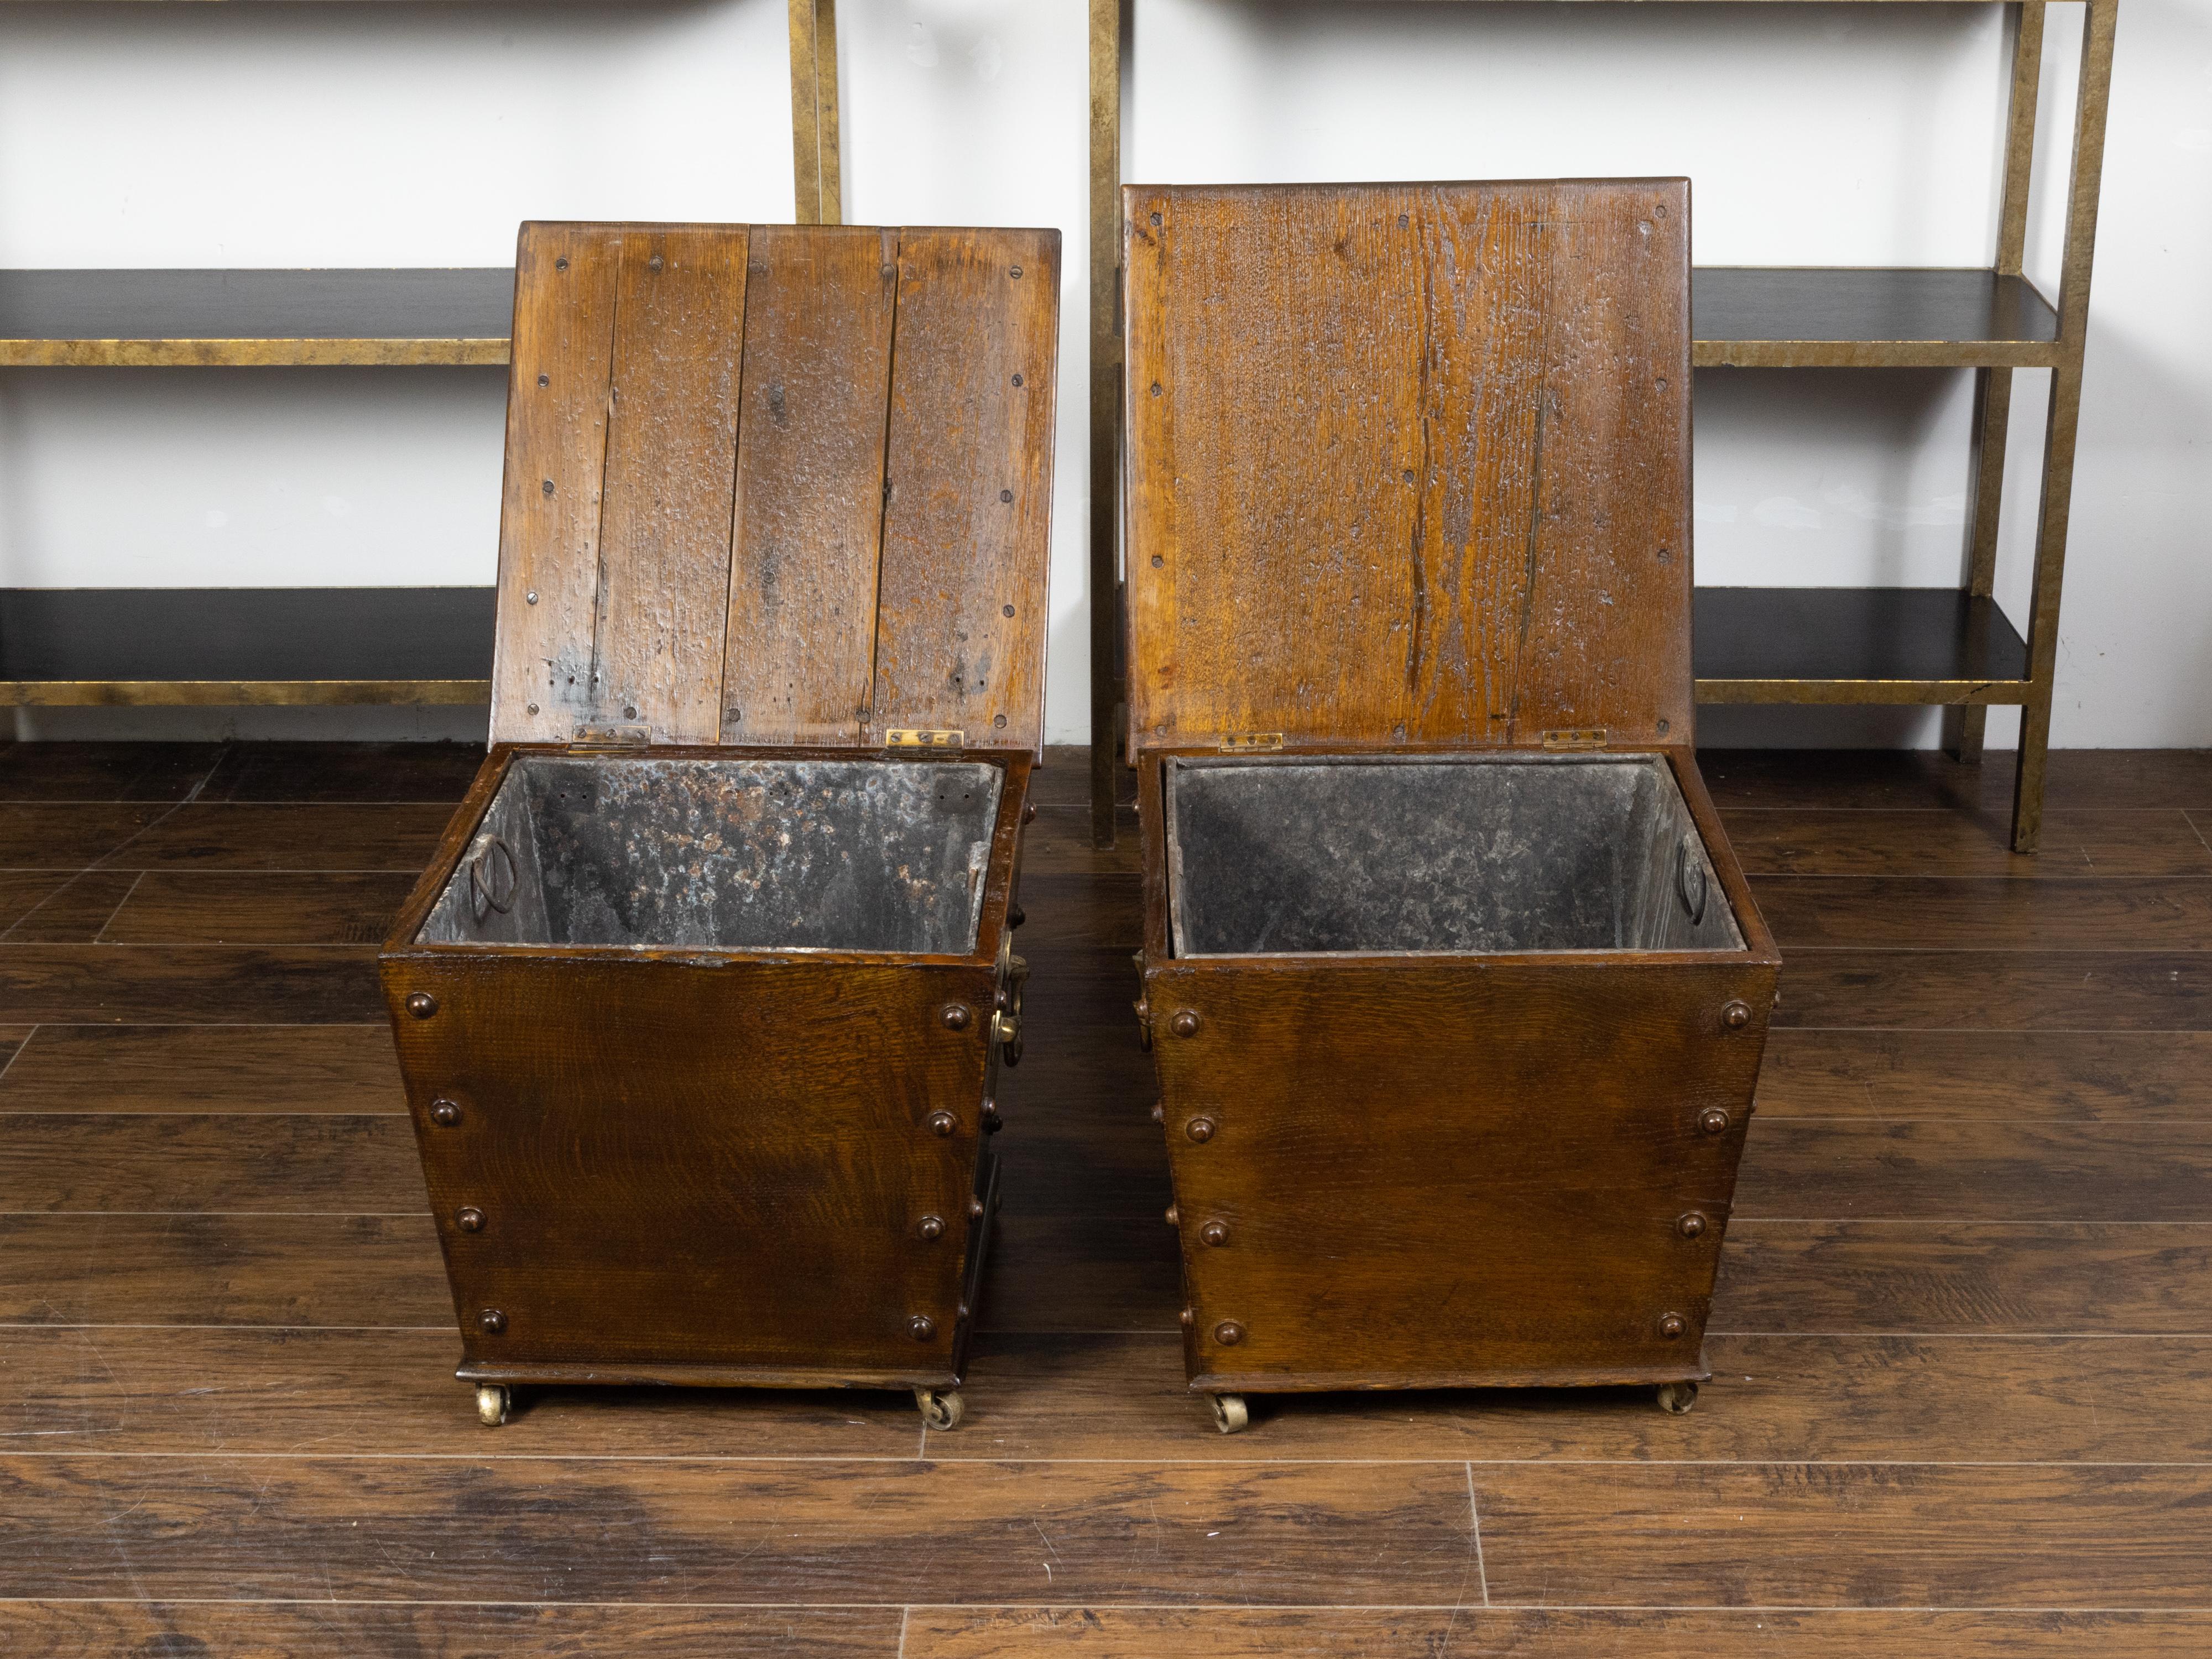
(1456, 991)
(701, 1003)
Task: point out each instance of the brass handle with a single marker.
(1690, 881)
(1006, 1017)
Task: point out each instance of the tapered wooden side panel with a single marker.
(671, 457)
(1470, 1168)
(1408, 462)
(556, 450)
(701, 1161)
(967, 516)
(802, 602)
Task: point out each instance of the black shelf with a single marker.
(1779, 317)
(246, 645)
(1863, 645)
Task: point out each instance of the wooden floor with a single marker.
(1963, 1400)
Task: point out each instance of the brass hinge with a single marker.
(910, 737)
(1580, 737)
(1242, 740)
(611, 737)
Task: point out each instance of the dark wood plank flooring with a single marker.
(1963, 1340)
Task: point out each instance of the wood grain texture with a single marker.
(57, 771)
(1432, 437)
(346, 1630)
(557, 415)
(861, 1533)
(204, 984)
(2082, 1076)
(1989, 912)
(75, 913)
(960, 636)
(775, 547)
(663, 575)
(1787, 1536)
(173, 906)
(222, 1270)
(342, 772)
(232, 1162)
(395, 836)
(2000, 990)
(1825, 842)
(245, 1392)
(1977, 1171)
(23, 890)
(1975, 1278)
(1772, 1399)
(68, 835)
(800, 658)
(2112, 779)
(208, 1068)
(1111, 1632)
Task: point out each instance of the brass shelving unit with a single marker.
(236, 647)
(1955, 648)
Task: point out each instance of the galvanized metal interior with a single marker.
(731, 854)
(1460, 853)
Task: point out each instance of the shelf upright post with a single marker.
(2097, 24)
(816, 186)
(1106, 691)
(1965, 723)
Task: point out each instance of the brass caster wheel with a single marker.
(1678, 1397)
(494, 1404)
(1228, 1413)
(940, 1408)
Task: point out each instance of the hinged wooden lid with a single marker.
(777, 484)
(1408, 462)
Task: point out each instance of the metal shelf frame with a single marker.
(1956, 649)
(239, 647)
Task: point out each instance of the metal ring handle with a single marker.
(1690, 880)
(491, 886)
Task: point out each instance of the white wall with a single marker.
(341, 134)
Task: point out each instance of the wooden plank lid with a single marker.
(777, 484)
(1408, 464)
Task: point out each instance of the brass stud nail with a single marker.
(1201, 1128)
(957, 1016)
(1016, 273)
(1215, 1233)
(1005, 495)
(1175, 1216)
(963, 1310)
(1692, 1225)
(1029, 812)
(530, 598)
(445, 1114)
(546, 487)
(1713, 1120)
(931, 1227)
(1672, 1325)
(1158, 560)
(992, 1121)
(1189, 1318)
(491, 1322)
(921, 1328)
(1156, 218)
(1016, 916)
(561, 264)
(653, 263)
(1664, 728)
(533, 707)
(975, 1209)
(1006, 610)
(469, 1220)
(1156, 388)
(1185, 1023)
(1736, 1016)
(545, 379)
(1159, 1112)
(1229, 1333)
(941, 1124)
(628, 711)
(421, 1004)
